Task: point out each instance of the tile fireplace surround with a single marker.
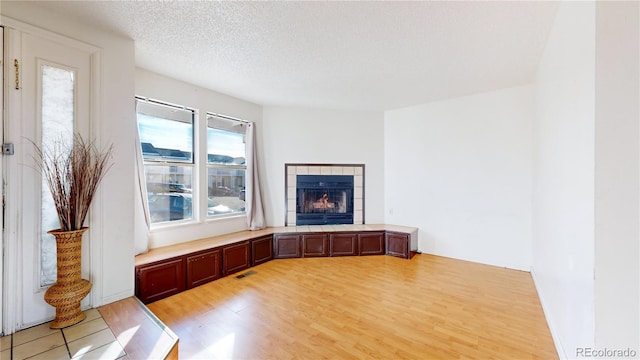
(292, 170)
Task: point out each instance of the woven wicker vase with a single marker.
(65, 295)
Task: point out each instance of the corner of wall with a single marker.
(562, 355)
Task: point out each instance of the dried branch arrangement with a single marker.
(73, 173)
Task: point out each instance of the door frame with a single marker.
(2, 62)
(11, 302)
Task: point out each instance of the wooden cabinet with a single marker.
(160, 280)
(235, 258)
(203, 267)
(261, 250)
(397, 244)
(286, 246)
(315, 245)
(343, 244)
(371, 243)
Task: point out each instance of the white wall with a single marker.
(111, 217)
(301, 135)
(460, 170)
(563, 198)
(616, 175)
(156, 86)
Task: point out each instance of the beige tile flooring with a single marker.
(89, 339)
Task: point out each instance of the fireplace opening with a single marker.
(324, 199)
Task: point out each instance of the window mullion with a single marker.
(201, 161)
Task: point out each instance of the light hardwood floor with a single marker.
(428, 307)
(139, 331)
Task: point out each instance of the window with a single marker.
(173, 166)
(226, 165)
(166, 135)
(58, 102)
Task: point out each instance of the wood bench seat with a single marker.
(168, 270)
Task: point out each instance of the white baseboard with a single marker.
(115, 297)
(554, 333)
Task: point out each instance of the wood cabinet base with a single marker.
(166, 277)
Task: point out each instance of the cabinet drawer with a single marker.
(397, 245)
(235, 258)
(315, 245)
(261, 250)
(203, 267)
(160, 280)
(343, 244)
(371, 243)
(286, 246)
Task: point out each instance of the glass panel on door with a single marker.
(58, 107)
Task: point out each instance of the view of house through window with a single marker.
(166, 136)
(226, 165)
(170, 167)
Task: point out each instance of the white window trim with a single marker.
(200, 166)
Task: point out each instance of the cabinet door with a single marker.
(235, 258)
(203, 267)
(343, 244)
(314, 245)
(286, 246)
(261, 250)
(397, 245)
(160, 280)
(371, 243)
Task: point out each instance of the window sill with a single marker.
(186, 223)
(172, 224)
(217, 218)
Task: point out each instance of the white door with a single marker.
(48, 103)
(2, 330)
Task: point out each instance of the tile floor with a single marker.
(89, 339)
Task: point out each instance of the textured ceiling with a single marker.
(354, 55)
